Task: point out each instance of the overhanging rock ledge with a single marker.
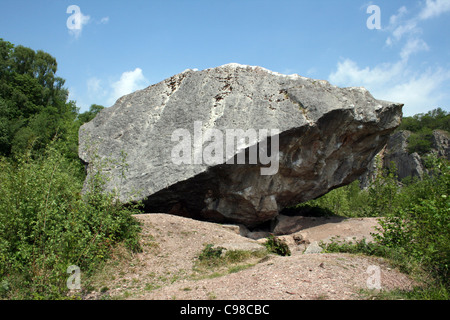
(327, 138)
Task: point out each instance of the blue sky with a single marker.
(122, 46)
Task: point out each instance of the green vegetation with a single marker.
(277, 246)
(46, 223)
(217, 261)
(422, 126)
(414, 231)
(33, 104)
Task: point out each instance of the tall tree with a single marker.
(33, 102)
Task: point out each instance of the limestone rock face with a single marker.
(300, 137)
(408, 165)
(440, 142)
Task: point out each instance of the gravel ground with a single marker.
(166, 269)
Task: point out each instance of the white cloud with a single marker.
(96, 90)
(434, 8)
(74, 96)
(104, 20)
(405, 32)
(408, 28)
(394, 19)
(413, 46)
(418, 92)
(311, 71)
(129, 82)
(399, 80)
(350, 74)
(395, 82)
(399, 26)
(93, 85)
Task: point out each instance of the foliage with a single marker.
(348, 201)
(33, 102)
(432, 120)
(89, 115)
(34, 106)
(422, 127)
(277, 245)
(414, 223)
(420, 142)
(210, 253)
(384, 192)
(215, 258)
(46, 225)
(421, 227)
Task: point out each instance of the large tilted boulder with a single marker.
(327, 137)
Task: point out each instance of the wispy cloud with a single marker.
(395, 82)
(400, 81)
(434, 8)
(104, 20)
(95, 89)
(401, 26)
(413, 46)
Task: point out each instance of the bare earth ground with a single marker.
(166, 269)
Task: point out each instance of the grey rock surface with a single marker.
(408, 165)
(313, 248)
(327, 138)
(440, 142)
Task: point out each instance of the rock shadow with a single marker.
(292, 220)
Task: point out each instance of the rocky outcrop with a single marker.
(238, 143)
(407, 164)
(440, 143)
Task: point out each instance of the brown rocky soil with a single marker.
(168, 266)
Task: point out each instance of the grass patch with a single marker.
(215, 262)
(429, 288)
(277, 246)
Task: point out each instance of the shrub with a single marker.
(46, 225)
(414, 229)
(420, 142)
(222, 261)
(347, 201)
(210, 253)
(277, 245)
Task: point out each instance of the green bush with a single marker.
(210, 253)
(420, 142)
(46, 225)
(414, 231)
(432, 120)
(277, 245)
(384, 192)
(347, 201)
(217, 258)
(421, 227)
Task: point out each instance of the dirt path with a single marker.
(166, 269)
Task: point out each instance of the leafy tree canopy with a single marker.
(422, 126)
(33, 102)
